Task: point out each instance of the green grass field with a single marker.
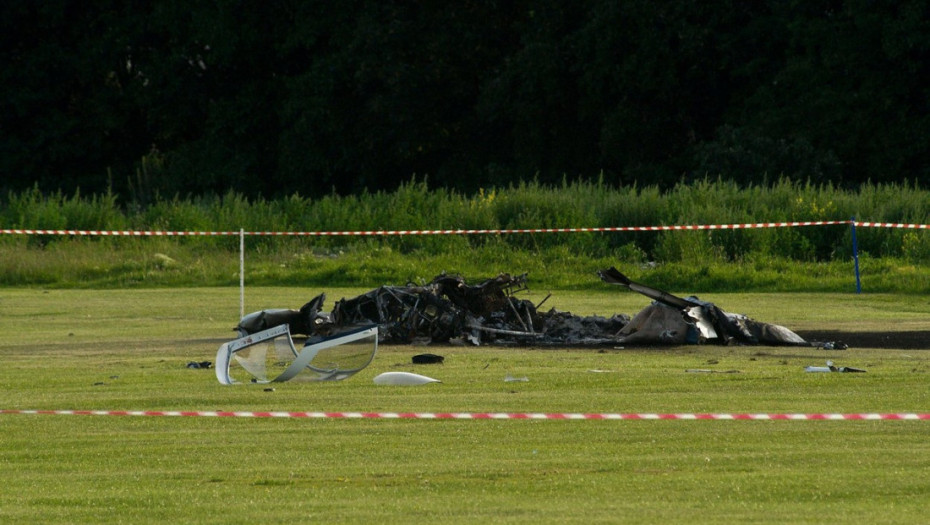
(127, 349)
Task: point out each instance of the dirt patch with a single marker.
(912, 340)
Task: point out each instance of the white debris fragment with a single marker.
(403, 379)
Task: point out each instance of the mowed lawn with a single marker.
(128, 350)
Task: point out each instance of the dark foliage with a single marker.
(277, 98)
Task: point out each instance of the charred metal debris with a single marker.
(448, 310)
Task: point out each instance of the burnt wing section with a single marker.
(689, 320)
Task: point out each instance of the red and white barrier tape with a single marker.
(893, 225)
(489, 415)
(371, 233)
(605, 229)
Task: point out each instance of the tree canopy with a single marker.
(310, 97)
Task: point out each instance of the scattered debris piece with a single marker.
(201, 364)
(511, 379)
(300, 321)
(270, 356)
(831, 368)
(403, 379)
(427, 359)
(709, 371)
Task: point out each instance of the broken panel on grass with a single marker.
(269, 356)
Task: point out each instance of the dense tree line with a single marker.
(277, 97)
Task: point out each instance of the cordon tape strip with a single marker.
(606, 229)
(490, 415)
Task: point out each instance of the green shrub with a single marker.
(697, 255)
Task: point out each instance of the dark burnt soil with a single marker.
(914, 340)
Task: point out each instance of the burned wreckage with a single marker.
(447, 310)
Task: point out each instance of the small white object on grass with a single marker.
(403, 378)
